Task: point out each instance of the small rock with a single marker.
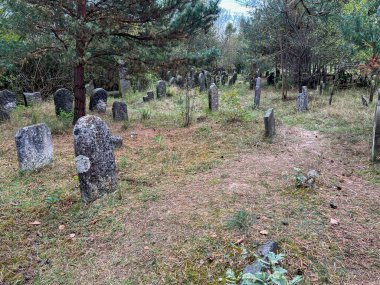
(117, 141)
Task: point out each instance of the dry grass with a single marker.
(180, 186)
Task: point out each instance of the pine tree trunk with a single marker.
(79, 87)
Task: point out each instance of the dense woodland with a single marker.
(202, 191)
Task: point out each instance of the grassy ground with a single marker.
(192, 200)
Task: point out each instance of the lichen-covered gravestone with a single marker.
(161, 89)
(202, 82)
(63, 101)
(270, 123)
(303, 100)
(7, 101)
(98, 100)
(257, 92)
(119, 111)
(94, 158)
(34, 147)
(149, 96)
(375, 151)
(32, 98)
(213, 98)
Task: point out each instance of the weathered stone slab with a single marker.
(149, 96)
(117, 141)
(179, 81)
(34, 147)
(161, 89)
(32, 98)
(98, 95)
(7, 101)
(95, 160)
(202, 82)
(263, 252)
(375, 149)
(119, 111)
(257, 92)
(213, 98)
(303, 100)
(364, 101)
(270, 123)
(63, 101)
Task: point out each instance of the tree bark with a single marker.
(79, 86)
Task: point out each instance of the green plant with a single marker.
(275, 275)
(232, 109)
(146, 114)
(299, 177)
(240, 220)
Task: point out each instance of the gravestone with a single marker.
(117, 142)
(270, 123)
(63, 101)
(224, 79)
(94, 158)
(375, 150)
(378, 95)
(161, 89)
(202, 82)
(32, 98)
(213, 98)
(364, 101)
(303, 100)
(321, 87)
(234, 77)
(257, 92)
(34, 147)
(270, 79)
(124, 82)
(119, 111)
(372, 90)
(98, 99)
(172, 81)
(149, 96)
(7, 101)
(179, 81)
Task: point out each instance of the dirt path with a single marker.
(164, 237)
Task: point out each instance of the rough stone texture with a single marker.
(213, 98)
(119, 111)
(303, 100)
(202, 82)
(149, 96)
(117, 141)
(101, 107)
(179, 81)
(375, 149)
(270, 123)
(161, 89)
(262, 251)
(34, 147)
(32, 98)
(98, 94)
(364, 101)
(94, 158)
(63, 101)
(7, 101)
(4, 116)
(257, 92)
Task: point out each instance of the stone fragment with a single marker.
(98, 95)
(7, 101)
(63, 101)
(34, 147)
(257, 92)
(202, 82)
(32, 98)
(270, 123)
(303, 100)
(161, 89)
(94, 158)
(364, 101)
(119, 111)
(213, 98)
(149, 96)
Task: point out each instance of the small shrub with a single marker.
(146, 114)
(233, 111)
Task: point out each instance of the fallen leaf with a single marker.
(36, 223)
(61, 227)
(240, 241)
(264, 232)
(72, 235)
(334, 221)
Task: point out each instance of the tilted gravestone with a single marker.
(257, 92)
(202, 82)
(303, 100)
(32, 98)
(213, 98)
(63, 101)
(270, 123)
(375, 151)
(7, 101)
(34, 147)
(161, 89)
(149, 96)
(119, 111)
(98, 100)
(364, 101)
(94, 158)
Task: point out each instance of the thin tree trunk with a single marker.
(79, 86)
